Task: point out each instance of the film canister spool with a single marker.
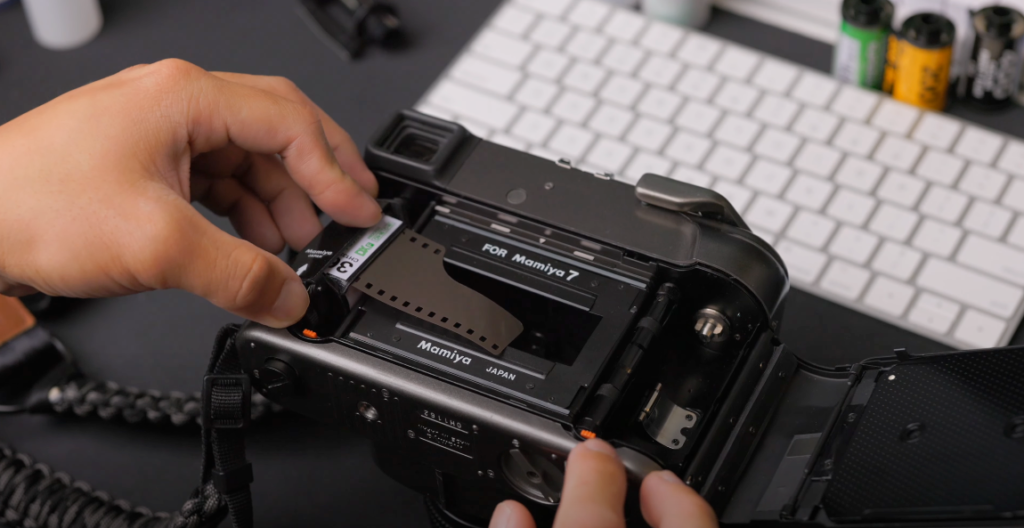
(921, 61)
(995, 67)
(860, 53)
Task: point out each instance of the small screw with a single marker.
(593, 283)
(529, 385)
(476, 429)
(396, 338)
(827, 464)
(551, 398)
(384, 393)
(490, 473)
(689, 417)
(548, 186)
(622, 286)
(410, 433)
(515, 443)
(752, 430)
(851, 417)
(737, 337)
(369, 334)
(464, 238)
(675, 441)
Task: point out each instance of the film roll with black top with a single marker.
(994, 70)
(493, 320)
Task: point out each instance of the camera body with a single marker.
(509, 307)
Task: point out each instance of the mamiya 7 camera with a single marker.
(508, 307)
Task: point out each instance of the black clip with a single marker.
(227, 413)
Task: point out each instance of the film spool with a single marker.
(919, 67)
(995, 66)
(860, 53)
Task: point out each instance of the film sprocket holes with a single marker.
(508, 307)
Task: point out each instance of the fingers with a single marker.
(668, 503)
(12, 289)
(594, 491)
(341, 143)
(511, 514)
(249, 216)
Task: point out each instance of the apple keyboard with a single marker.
(913, 217)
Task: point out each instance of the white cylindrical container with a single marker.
(63, 24)
(691, 13)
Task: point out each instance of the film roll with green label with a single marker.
(860, 52)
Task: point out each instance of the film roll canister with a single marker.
(995, 66)
(920, 63)
(691, 13)
(860, 53)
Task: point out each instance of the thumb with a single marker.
(668, 503)
(237, 276)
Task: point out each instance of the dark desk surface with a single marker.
(306, 475)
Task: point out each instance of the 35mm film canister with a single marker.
(860, 52)
(922, 60)
(995, 66)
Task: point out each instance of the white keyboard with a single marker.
(911, 217)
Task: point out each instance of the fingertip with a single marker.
(290, 306)
(511, 514)
(598, 445)
(667, 502)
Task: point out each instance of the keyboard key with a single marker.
(934, 313)
(775, 110)
(698, 117)
(548, 64)
(939, 167)
(893, 222)
(509, 141)
(987, 219)
(507, 50)
(550, 33)
(854, 103)
(982, 182)
(573, 107)
(661, 37)
(489, 76)
(698, 84)
(737, 63)
(1014, 196)
(979, 145)
(804, 264)
(845, 280)
(737, 131)
(979, 330)
(853, 244)
(623, 58)
(815, 124)
(536, 93)
(897, 153)
(937, 238)
(692, 176)
(699, 50)
(777, 145)
(688, 148)
(736, 97)
(659, 71)
(944, 204)
(737, 195)
(513, 19)
(896, 260)
(622, 90)
(768, 213)
(1016, 234)
(811, 229)
(859, 174)
(901, 189)
(645, 162)
(856, 138)
(549, 7)
(814, 89)
(589, 13)
(817, 159)
(609, 155)
(810, 192)
(895, 117)
(969, 287)
(571, 140)
(584, 77)
(1012, 158)
(610, 120)
(993, 258)
(659, 103)
(768, 177)
(937, 130)
(775, 76)
(889, 296)
(649, 134)
(727, 162)
(586, 45)
(850, 207)
(491, 111)
(624, 25)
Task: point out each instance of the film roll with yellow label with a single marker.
(920, 64)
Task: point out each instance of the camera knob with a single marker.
(276, 378)
(327, 309)
(533, 475)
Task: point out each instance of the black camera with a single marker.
(508, 307)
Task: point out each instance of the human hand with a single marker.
(595, 491)
(96, 185)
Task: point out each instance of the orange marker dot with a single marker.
(310, 334)
(587, 434)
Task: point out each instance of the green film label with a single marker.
(860, 55)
